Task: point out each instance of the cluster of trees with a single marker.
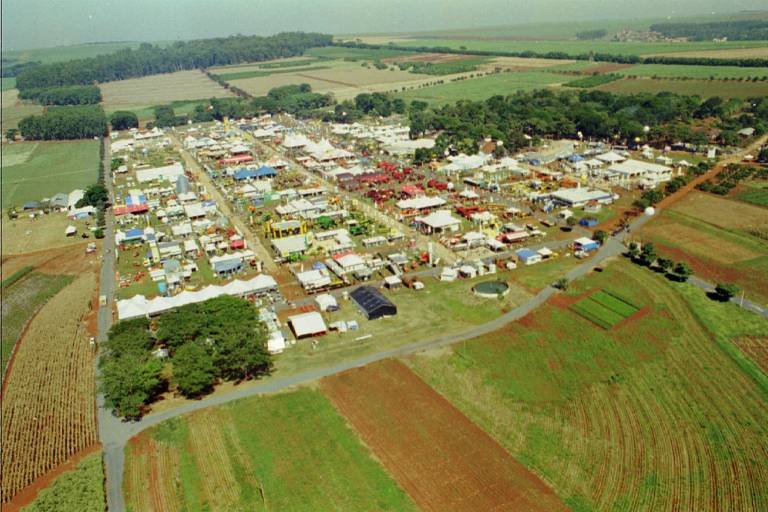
(217, 339)
(379, 104)
(151, 60)
(123, 120)
(11, 67)
(443, 68)
(588, 35)
(521, 118)
(292, 99)
(595, 56)
(741, 30)
(64, 123)
(648, 257)
(730, 177)
(69, 95)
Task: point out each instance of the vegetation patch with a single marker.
(80, 489)
(593, 81)
(267, 72)
(605, 308)
(754, 195)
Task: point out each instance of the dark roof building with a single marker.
(372, 303)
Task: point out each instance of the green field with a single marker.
(289, 451)
(640, 418)
(754, 193)
(80, 489)
(703, 88)
(484, 87)
(62, 53)
(266, 72)
(21, 300)
(574, 47)
(702, 72)
(7, 83)
(339, 52)
(34, 170)
(604, 309)
(147, 112)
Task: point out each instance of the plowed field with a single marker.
(442, 459)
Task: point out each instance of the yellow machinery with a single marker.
(282, 229)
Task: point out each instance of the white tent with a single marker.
(308, 324)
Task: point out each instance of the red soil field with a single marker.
(437, 455)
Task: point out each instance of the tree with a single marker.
(634, 250)
(726, 291)
(682, 271)
(571, 221)
(64, 123)
(601, 236)
(561, 284)
(648, 255)
(129, 382)
(95, 195)
(123, 120)
(665, 264)
(11, 133)
(193, 370)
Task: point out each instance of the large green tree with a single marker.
(193, 370)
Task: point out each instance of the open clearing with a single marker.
(572, 47)
(703, 88)
(290, 451)
(343, 79)
(443, 460)
(721, 212)
(49, 407)
(701, 72)
(34, 170)
(484, 87)
(14, 110)
(160, 89)
(641, 418)
(730, 53)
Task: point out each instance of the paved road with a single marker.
(738, 300)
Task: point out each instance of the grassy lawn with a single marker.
(575, 402)
(20, 301)
(703, 88)
(540, 275)
(79, 489)
(290, 451)
(702, 72)
(485, 87)
(23, 234)
(34, 170)
(574, 47)
(7, 83)
(14, 110)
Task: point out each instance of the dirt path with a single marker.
(442, 460)
(223, 205)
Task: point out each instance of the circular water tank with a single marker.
(650, 211)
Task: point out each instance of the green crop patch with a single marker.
(604, 308)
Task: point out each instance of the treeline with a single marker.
(599, 57)
(522, 118)
(588, 35)
(151, 60)
(70, 95)
(219, 339)
(64, 123)
(742, 30)
(12, 67)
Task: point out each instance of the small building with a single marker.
(528, 257)
(372, 303)
(327, 302)
(307, 325)
(585, 244)
(440, 221)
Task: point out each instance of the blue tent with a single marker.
(266, 172)
(244, 174)
(588, 222)
(133, 234)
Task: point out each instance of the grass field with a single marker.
(701, 72)
(441, 459)
(25, 235)
(260, 72)
(81, 489)
(149, 91)
(14, 110)
(703, 88)
(61, 53)
(574, 47)
(604, 308)
(721, 212)
(7, 83)
(21, 300)
(283, 452)
(485, 87)
(754, 193)
(339, 52)
(34, 170)
(640, 418)
(737, 53)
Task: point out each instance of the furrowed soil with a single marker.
(442, 460)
